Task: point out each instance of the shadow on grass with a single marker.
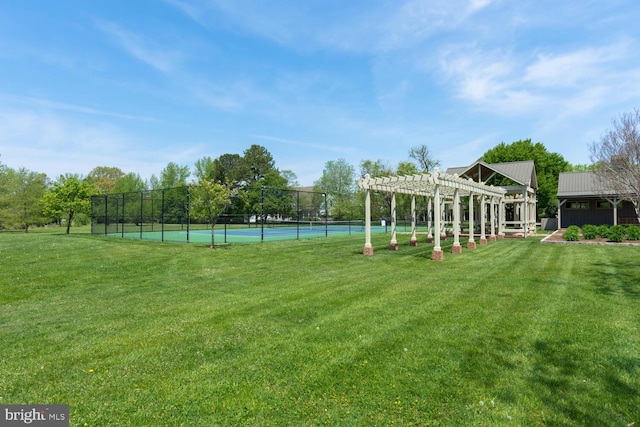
(625, 280)
(563, 374)
(560, 374)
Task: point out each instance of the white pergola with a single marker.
(439, 188)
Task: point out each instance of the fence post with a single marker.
(162, 217)
(298, 215)
(106, 213)
(141, 205)
(326, 216)
(262, 214)
(188, 212)
(123, 216)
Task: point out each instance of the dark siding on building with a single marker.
(594, 215)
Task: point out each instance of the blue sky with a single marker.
(139, 84)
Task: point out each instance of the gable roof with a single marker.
(581, 184)
(523, 173)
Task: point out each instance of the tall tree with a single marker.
(278, 200)
(204, 168)
(291, 177)
(548, 168)
(423, 157)
(257, 162)
(129, 183)
(229, 169)
(338, 182)
(70, 195)
(174, 175)
(209, 199)
(583, 168)
(21, 200)
(617, 158)
(104, 178)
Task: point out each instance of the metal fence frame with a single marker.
(145, 213)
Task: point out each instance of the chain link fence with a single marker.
(254, 215)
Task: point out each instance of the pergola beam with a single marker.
(436, 186)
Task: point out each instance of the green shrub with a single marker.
(633, 232)
(603, 230)
(589, 231)
(572, 233)
(617, 233)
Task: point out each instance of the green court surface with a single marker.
(246, 234)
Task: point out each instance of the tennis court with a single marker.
(244, 233)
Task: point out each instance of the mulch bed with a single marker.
(558, 237)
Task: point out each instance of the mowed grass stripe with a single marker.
(314, 333)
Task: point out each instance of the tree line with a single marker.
(29, 199)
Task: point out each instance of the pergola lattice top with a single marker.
(425, 185)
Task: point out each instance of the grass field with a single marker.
(306, 333)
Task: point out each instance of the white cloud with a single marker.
(52, 105)
(150, 52)
(476, 5)
(192, 11)
(53, 144)
(478, 76)
(308, 145)
(574, 68)
(553, 84)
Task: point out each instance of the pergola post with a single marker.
(483, 220)
(393, 245)
(437, 254)
(525, 213)
(502, 216)
(443, 220)
(368, 249)
(414, 239)
(456, 248)
(492, 236)
(436, 187)
(429, 220)
(471, 244)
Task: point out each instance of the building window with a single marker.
(603, 204)
(577, 205)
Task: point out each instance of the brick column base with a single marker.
(393, 246)
(437, 255)
(367, 251)
(471, 245)
(456, 249)
(492, 238)
(429, 239)
(483, 241)
(413, 242)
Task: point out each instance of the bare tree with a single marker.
(422, 155)
(617, 159)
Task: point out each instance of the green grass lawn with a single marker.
(306, 333)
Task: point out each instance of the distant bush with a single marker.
(589, 231)
(633, 232)
(603, 230)
(617, 233)
(572, 233)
